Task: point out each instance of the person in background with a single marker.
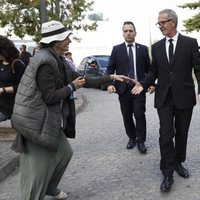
(44, 114)
(173, 60)
(24, 54)
(131, 59)
(11, 71)
(68, 56)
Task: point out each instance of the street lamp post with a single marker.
(43, 11)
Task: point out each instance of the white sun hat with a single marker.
(54, 31)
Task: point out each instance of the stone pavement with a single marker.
(103, 169)
(9, 160)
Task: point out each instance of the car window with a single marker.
(103, 61)
(84, 61)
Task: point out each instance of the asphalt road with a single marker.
(103, 169)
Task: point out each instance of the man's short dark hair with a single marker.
(23, 46)
(128, 23)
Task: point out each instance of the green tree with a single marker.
(96, 17)
(24, 16)
(192, 24)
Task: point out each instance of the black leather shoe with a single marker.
(131, 144)
(166, 184)
(181, 170)
(141, 147)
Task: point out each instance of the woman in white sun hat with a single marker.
(44, 114)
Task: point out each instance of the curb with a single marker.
(10, 161)
(81, 103)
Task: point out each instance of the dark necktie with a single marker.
(131, 63)
(171, 47)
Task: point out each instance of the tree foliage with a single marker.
(24, 16)
(192, 24)
(96, 17)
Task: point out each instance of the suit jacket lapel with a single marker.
(124, 50)
(124, 53)
(137, 50)
(163, 50)
(178, 48)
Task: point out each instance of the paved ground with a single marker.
(103, 169)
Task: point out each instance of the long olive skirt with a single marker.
(42, 170)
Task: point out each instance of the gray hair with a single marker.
(171, 14)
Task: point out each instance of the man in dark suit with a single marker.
(130, 59)
(173, 59)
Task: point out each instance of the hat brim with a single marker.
(58, 37)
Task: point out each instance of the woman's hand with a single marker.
(111, 89)
(119, 77)
(79, 82)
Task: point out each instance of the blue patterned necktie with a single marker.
(131, 63)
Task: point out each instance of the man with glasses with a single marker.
(173, 59)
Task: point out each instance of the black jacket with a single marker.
(178, 76)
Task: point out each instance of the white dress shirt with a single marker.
(175, 38)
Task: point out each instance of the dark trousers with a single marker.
(174, 124)
(134, 105)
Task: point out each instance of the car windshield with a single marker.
(103, 60)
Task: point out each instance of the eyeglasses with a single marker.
(162, 23)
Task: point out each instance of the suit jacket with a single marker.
(119, 62)
(178, 75)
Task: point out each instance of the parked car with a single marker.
(94, 66)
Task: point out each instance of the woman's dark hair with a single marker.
(8, 49)
(43, 45)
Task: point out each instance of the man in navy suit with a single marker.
(173, 59)
(130, 59)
